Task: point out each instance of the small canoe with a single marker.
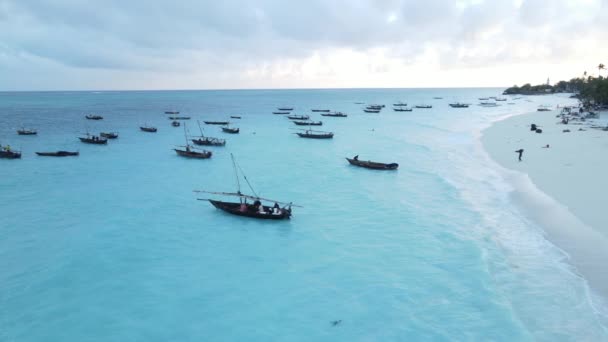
(316, 135)
(230, 130)
(285, 109)
(373, 165)
(298, 117)
(189, 153)
(58, 154)
(148, 129)
(281, 113)
(321, 110)
(375, 111)
(179, 118)
(171, 112)
(335, 115)
(27, 132)
(215, 122)
(235, 117)
(95, 140)
(308, 123)
(402, 109)
(94, 117)
(109, 135)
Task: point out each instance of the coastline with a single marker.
(561, 187)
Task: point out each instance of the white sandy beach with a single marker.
(573, 171)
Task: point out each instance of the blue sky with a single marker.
(138, 44)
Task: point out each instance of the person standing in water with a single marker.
(520, 151)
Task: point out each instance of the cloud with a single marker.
(273, 39)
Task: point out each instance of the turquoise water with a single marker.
(113, 245)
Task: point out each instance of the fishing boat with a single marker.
(376, 107)
(148, 129)
(402, 109)
(500, 99)
(172, 112)
(231, 130)
(484, 98)
(7, 153)
(308, 123)
(375, 111)
(320, 110)
(58, 154)
(179, 118)
(438, 98)
(215, 122)
(93, 139)
(207, 141)
(424, 106)
(298, 117)
(190, 152)
(235, 117)
(94, 117)
(255, 210)
(459, 105)
(372, 165)
(285, 109)
(281, 113)
(400, 104)
(24, 131)
(488, 104)
(315, 134)
(335, 115)
(175, 124)
(109, 135)
(544, 108)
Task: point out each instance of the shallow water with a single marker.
(113, 245)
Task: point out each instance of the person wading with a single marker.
(520, 151)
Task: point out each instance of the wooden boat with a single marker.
(459, 105)
(375, 111)
(190, 152)
(374, 107)
(179, 118)
(256, 210)
(424, 106)
(402, 109)
(207, 141)
(315, 134)
(93, 139)
(500, 99)
(235, 117)
(24, 131)
(215, 122)
(281, 113)
(109, 135)
(175, 124)
(438, 98)
(544, 109)
(298, 117)
(7, 153)
(230, 130)
(171, 112)
(372, 165)
(58, 154)
(94, 117)
(308, 123)
(321, 110)
(335, 115)
(285, 109)
(148, 129)
(484, 98)
(400, 104)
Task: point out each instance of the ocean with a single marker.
(113, 245)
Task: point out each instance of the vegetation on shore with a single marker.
(589, 89)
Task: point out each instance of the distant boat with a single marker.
(285, 109)
(94, 117)
(376, 107)
(230, 130)
(308, 123)
(372, 165)
(58, 154)
(315, 134)
(7, 153)
(241, 208)
(402, 109)
(175, 124)
(438, 98)
(190, 152)
(281, 113)
(375, 111)
(207, 141)
(484, 98)
(424, 106)
(399, 104)
(109, 135)
(459, 105)
(488, 104)
(235, 117)
(320, 110)
(500, 99)
(335, 115)
(215, 122)
(544, 108)
(93, 139)
(148, 129)
(179, 118)
(173, 112)
(298, 117)
(24, 131)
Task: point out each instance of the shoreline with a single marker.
(560, 187)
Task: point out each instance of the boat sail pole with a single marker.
(236, 175)
(199, 127)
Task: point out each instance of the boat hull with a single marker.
(94, 142)
(209, 142)
(373, 165)
(315, 136)
(231, 130)
(58, 154)
(234, 209)
(148, 129)
(10, 155)
(193, 154)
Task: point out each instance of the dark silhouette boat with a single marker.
(215, 122)
(109, 135)
(207, 141)
(285, 109)
(459, 105)
(308, 123)
(189, 151)
(400, 104)
(320, 110)
(374, 111)
(310, 134)
(231, 130)
(179, 118)
(148, 129)
(281, 113)
(7, 153)
(175, 124)
(402, 109)
(298, 117)
(93, 139)
(235, 117)
(372, 165)
(58, 154)
(94, 117)
(335, 115)
(255, 210)
(424, 106)
(172, 112)
(24, 131)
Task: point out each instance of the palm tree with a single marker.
(599, 69)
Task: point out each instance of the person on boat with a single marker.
(520, 151)
(261, 209)
(356, 157)
(187, 148)
(276, 209)
(7, 148)
(243, 207)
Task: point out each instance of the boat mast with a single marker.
(199, 127)
(185, 135)
(236, 175)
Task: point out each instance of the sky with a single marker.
(236, 44)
